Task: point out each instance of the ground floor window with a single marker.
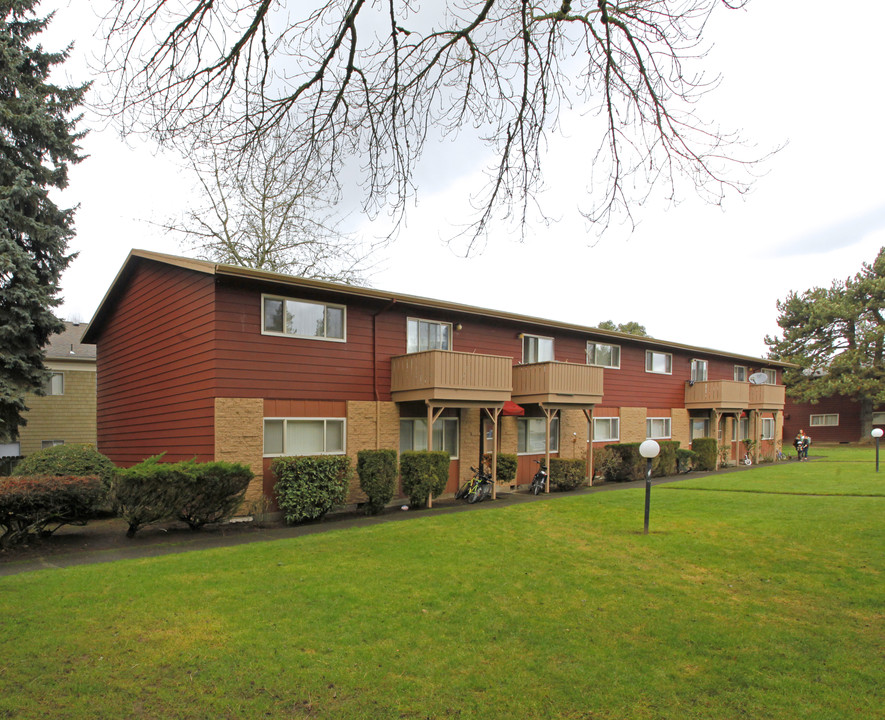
(50, 443)
(700, 428)
(606, 429)
(740, 430)
(304, 436)
(768, 428)
(823, 420)
(657, 428)
(413, 435)
(530, 435)
(879, 418)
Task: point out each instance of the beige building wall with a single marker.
(509, 435)
(680, 426)
(468, 442)
(239, 437)
(69, 417)
(573, 434)
(633, 424)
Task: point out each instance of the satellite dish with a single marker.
(758, 378)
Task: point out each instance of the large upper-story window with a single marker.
(603, 355)
(301, 318)
(413, 435)
(530, 435)
(740, 373)
(424, 335)
(304, 436)
(658, 362)
(55, 385)
(536, 349)
(770, 376)
(699, 370)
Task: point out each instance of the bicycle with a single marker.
(779, 454)
(478, 488)
(539, 482)
(747, 459)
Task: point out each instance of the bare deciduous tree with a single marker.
(267, 214)
(374, 81)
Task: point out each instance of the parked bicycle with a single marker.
(539, 482)
(779, 454)
(478, 488)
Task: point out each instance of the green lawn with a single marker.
(760, 604)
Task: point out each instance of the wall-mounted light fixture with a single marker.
(458, 326)
(521, 336)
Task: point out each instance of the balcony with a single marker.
(767, 397)
(724, 395)
(450, 377)
(556, 383)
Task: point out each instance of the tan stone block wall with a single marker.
(468, 442)
(69, 417)
(509, 435)
(239, 437)
(573, 434)
(370, 426)
(633, 424)
(680, 426)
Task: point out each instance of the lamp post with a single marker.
(649, 450)
(877, 433)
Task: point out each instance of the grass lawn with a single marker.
(757, 595)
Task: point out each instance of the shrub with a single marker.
(377, 471)
(211, 492)
(308, 487)
(707, 450)
(685, 459)
(69, 460)
(665, 463)
(146, 493)
(423, 472)
(28, 505)
(568, 474)
(505, 468)
(606, 464)
(628, 463)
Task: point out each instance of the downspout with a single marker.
(375, 371)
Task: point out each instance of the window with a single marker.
(424, 335)
(604, 355)
(658, 362)
(823, 420)
(50, 443)
(740, 373)
(10, 450)
(740, 430)
(55, 385)
(768, 428)
(303, 436)
(300, 318)
(606, 429)
(700, 428)
(413, 435)
(530, 435)
(770, 376)
(657, 428)
(879, 418)
(536, 349)
(699, 370)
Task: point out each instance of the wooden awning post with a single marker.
(493, 414)
(588, 413)
(716, 417)
(431, 418)
(549, 414)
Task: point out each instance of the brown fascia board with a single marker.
(235, 271)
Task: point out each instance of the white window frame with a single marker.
(418, 321)
(666, 430)
(879, 418)
(771, 374)
(554, 434)
(740, 430)
(769, 424)
(287, 420)
(447, 422)
(55, 378)
(526, 338)
(324, 305)
(823, 420)
(592, 348)
(740, 373)
(649, 362)
(696, 365)
(614, 429)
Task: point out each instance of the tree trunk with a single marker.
(866, 418)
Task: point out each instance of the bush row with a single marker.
(29, 505)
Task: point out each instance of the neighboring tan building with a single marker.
(197, 359)
(66, 413)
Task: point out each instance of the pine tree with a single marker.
(38, 140)
(837, 337)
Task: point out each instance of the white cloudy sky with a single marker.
(793, 72)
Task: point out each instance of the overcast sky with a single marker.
(809, 79)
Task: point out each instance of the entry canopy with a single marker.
(511, 408)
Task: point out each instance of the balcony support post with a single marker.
(716, 417)
(432, 416)
(493, 414)
(588, 413)
(549, 413)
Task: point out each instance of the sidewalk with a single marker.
(103, 541)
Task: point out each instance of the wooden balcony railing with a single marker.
(767, 397)
(442, 375)
(557, 383)
(717, 395)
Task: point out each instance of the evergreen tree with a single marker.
(38, 141)
(836, 335)
(632, 327)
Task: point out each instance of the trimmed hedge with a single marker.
(423, 472)
(707, 450)
(28, 505)
(506, 466)
(195, 493)
(568, 474)
(69, 460)
(377, 470)
(309, 486)
(685, 459)
(626, 464)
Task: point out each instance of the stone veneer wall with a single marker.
(633, 424)
(468, 442)
(239, 437)
(572, 434)
(680, 426)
